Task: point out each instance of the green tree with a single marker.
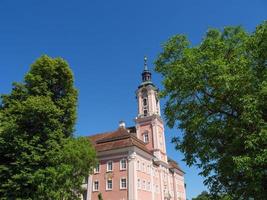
(39, 157)
(217, 95)
(206, 196)
(100, 196)
(203, 196)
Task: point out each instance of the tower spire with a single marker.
(145, 64)
(146, 75)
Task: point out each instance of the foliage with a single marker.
(40, 158)
(217, 94)
(206, 196)
(100, 196)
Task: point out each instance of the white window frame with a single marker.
(145, 137)
(138, 165)
(108, 170)
(148, 186)
(121, 165)
(143, 167)
(94, 189)
(107, 188)
(144, 185)
(97, 171)
(148, 169)
(145, 112)
(121, 187)
(139, 184)
(145, 102)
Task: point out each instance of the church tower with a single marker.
(149, 125)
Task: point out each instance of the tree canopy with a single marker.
(217, 95)
(206, 196)
(40, 158)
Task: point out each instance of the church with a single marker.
(133, 163)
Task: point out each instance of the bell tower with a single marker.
(149, 125)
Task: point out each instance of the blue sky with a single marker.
(104, 43)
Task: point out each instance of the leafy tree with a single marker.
(206, 196)
(217, 94)
(100, 196)
(203, 196)
(39, 157)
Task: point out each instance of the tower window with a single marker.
(145, 101)
(145, 112)
(146, 139)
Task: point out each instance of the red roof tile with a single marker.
(120, 138)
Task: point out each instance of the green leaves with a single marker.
(40, 159)
(216, 94)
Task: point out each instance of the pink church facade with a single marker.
(133, 163)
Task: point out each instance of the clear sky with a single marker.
(104, 43)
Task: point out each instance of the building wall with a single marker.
(154, 181)
(116, 193)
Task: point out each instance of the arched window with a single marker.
(145, 112)
(144, 101)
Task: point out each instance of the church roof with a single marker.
(120, 138)
(174, 165)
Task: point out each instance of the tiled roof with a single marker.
(120, 138)
(174, 165)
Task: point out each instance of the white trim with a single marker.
(145, 137)
(107, 184)
(89, 188)
(144, 184)
(121, 168)
(97, 172)
(96, 190)
(110, 161)
(148, 186)
(123, 188)
(139, 184)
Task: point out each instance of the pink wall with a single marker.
(116, 192)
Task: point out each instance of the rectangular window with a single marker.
(96, 186)
(148, 169)
(109, 184)
(123, 164)
(148, 186)
(143, 167)
(139, 184)
(145, 112)
(109, 166)
(138, 165)
(97, 168)
(123, 184)
(144, 185)
(146, 139)
(144, 101)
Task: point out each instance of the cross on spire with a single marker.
(146, 75)
(145, 64)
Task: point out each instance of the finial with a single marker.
(145, 63)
